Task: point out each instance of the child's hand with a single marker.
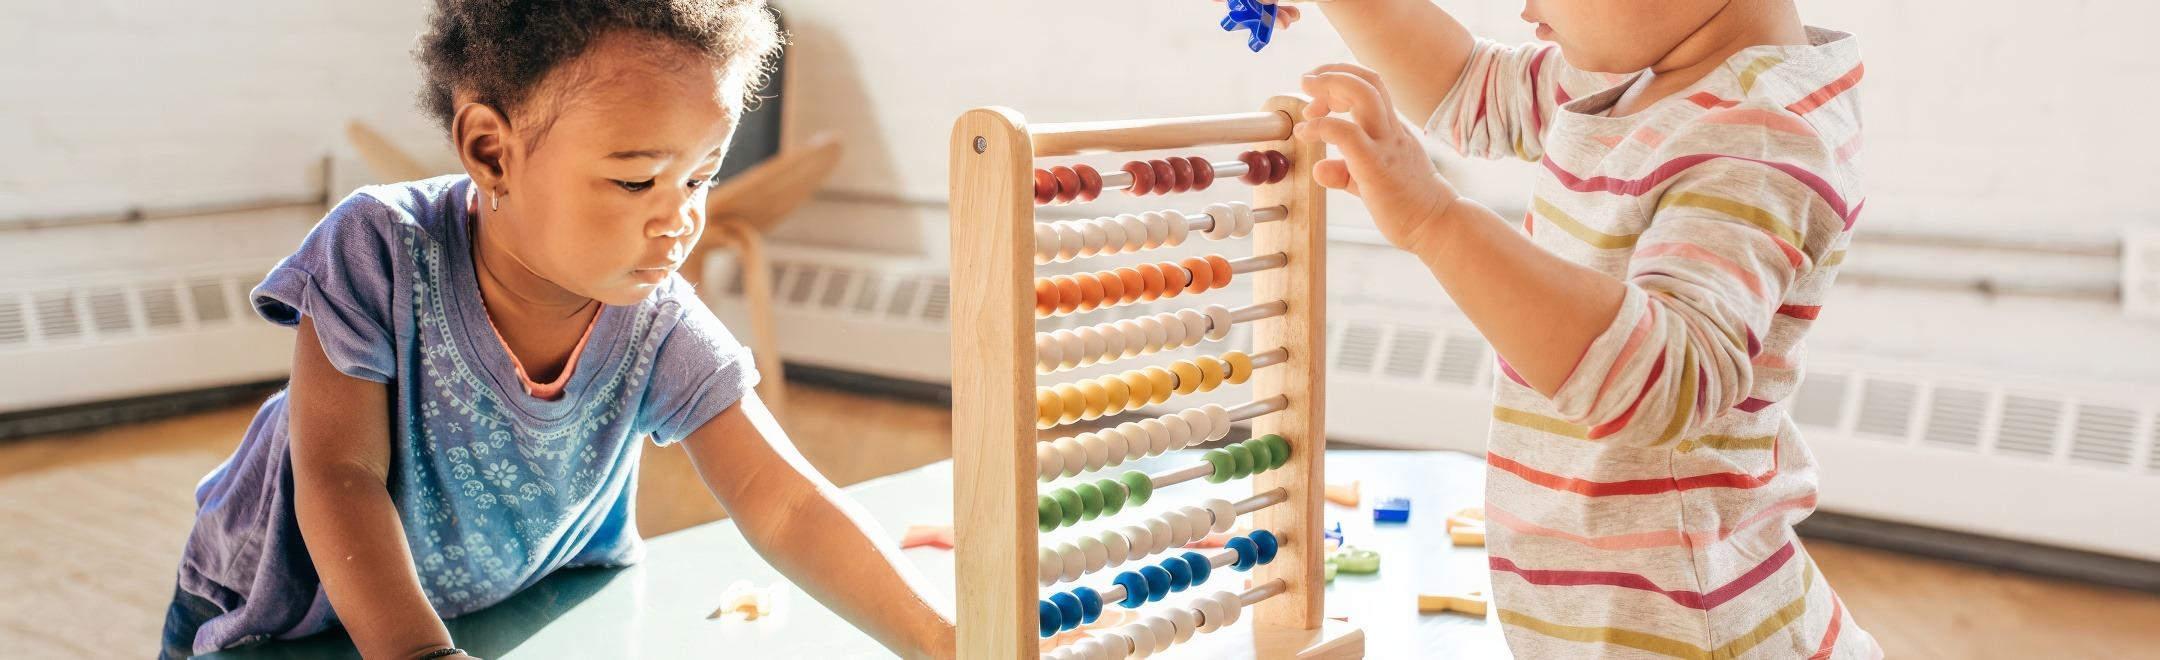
(1284, 14)
(1382, 160)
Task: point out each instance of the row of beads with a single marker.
(1108, 548)
(1065, 507)
(1095, 450)
(1091, 398)
(1069, 610)
(1265, 166)
(1065, 184)
(1164, 176)
(1087, 345)
(1156, 633)
(1084, 292)
(1066, 240)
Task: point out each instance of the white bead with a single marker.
(1047, 461)
(1164, 633)
(1089, 648)
(1136, 337)
(1137, 236)
(1175, 222)
(1158, 230)
(1232, 606)
(1115, 547)
(1195, 325)
(1075, 562)
(1048, 565)
(1142, 637)
(1070, 348)
(1046, 243)
(1092, 549)
(1173, 330)
(1137, 440)
(1211, 615)
(1156, 334)
(1218, 322)
(1138, 540)
(1091, 344)
(1113, 234)
(1244, 219)
(1179, 434)
(1224, 513)
(1158, 435)
(1069, 241)
(1115, 446)
(1222, 221)
(1201, 519)
(1113, 342)
(1182, 623)
(1074, 455)
(1091, 238)
(1203, 427)
(1046, 352)
(1218, 421)
(1110, 646)
(1160, 536)
(1098, 451)
(1181, 526)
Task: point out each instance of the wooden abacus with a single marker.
(1001, 417)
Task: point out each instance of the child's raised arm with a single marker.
(815, 534)
(1416, 46)
(340, 440)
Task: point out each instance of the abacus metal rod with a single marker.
(1218, 557)
(1249, 410)
(1265, 591)
(1244, 265)
(1272, 357)
(1204, 222)
(1120, 180)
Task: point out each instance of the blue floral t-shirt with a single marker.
(496, 488)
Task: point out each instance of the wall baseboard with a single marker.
(1987, 551)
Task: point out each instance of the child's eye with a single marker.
(703, 182)
(635, 186)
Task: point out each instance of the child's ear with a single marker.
(482, 136)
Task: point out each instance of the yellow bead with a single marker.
(1188, 376)
(1240, 367)
(1046, 407)
(1094, 398)
(1211, 372)
(1070, 403)
(1118, 394)
(1142, 390)
(1160, 384)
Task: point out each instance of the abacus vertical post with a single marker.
(993, 379)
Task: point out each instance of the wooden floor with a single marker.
(94, 522)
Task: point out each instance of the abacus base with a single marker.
(1332, 640)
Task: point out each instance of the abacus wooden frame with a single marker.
(993, 385)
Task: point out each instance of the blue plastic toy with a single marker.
(1255, 17)
(1393, 509)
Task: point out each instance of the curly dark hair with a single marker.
(500, 50)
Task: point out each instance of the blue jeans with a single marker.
(188, 612)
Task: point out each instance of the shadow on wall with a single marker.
(863, 208)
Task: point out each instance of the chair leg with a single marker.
(764, 339)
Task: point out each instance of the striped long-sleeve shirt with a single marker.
(1647, 509)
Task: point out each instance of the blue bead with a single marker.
(1158, 582)
(1052, 620)
(1180, 575)
(1247, 553)
(1068, 610)
(1199, 565)
(1090, 604)
(1265, 540)
(1136, 591)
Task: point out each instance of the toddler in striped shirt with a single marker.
(1696, 188)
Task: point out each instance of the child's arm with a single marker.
(1417, 47)
(340, 439)
(815, 534)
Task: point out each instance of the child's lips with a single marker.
(1544, 32)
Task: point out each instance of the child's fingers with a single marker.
(1370, 76)
(1333, 173)
(1285, 15)
(1345, 135)
(1346, 92)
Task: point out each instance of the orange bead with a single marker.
(1046, 296)
(1151, 281)
(1113, 287)
(1135, 283)
(1068, 294)
(1090, 291)
(1221, 269)
(1200, 274)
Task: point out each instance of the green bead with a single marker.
(1242, 465)
(1261, 461)
(1113, 496)
(1047, 513)
(1069, 504)
(1090, 501)
(1222, 462)
(1278, 450)
(1137, 487)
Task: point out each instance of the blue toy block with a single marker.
(1393, 509)
(1255, 17)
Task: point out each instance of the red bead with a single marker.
(1278, 166)
(1045, 186)
(1256, 169)
(1090, 182)
(1203, 172)
(1143, 178)
(1068, 183)
(1165, 179)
